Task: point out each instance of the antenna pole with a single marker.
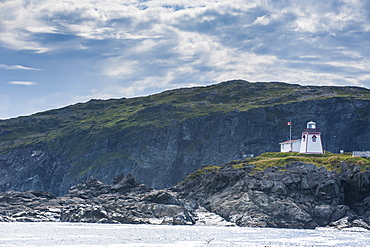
(290, 136)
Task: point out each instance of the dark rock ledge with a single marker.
(299, 195)
(126, 201)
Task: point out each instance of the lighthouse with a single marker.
(311, 140)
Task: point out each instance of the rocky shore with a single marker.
(125, 201)
(299, 195)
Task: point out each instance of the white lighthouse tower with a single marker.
(311, 140)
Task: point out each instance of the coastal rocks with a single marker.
(299, 195)
(350, 223)
(205, 218)
(126, 201)
(88, 189)
(32, 206)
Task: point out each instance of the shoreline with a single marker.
(93, 234)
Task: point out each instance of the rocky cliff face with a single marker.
(162, 155)
(299, 195)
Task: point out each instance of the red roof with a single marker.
(290, 141)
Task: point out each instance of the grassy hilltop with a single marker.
(155, 111)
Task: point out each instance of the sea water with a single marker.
(86, 234)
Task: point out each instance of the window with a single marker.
(314, 138)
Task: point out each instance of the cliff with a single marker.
(162, 138)
(284, 191)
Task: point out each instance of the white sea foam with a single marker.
(85, 234)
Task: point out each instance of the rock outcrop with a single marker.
(29, 206)
(126, 201)
(300, 195)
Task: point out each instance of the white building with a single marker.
(290, 146)
(311, 140)
(365, 154)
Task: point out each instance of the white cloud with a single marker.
(23, 83)
(121, 69)
(259, 41)
(16, 67)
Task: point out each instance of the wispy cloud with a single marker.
(258, 42)
(16, 67)
(23, 83)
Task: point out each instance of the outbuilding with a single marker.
(290, 146)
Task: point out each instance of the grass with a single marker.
(238, 165)
(202, 171)
(328, 160)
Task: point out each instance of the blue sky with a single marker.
(57, 53)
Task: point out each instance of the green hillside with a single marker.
(156, 111)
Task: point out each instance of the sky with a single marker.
(55, 53)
